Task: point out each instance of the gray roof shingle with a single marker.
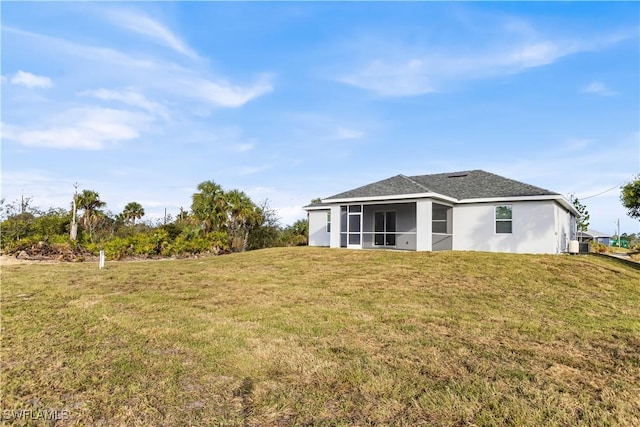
(475, 184)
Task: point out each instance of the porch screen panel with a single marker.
(390, 225)
(354, 223)
(385, 228)
(379, 229)
(343, 226)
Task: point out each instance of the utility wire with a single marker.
(605, 191)
(602, 192)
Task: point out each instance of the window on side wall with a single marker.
(328, 222)
(504, 219)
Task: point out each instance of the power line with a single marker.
(605, 191)
(602, 192)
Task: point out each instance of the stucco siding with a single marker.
(563, 224)
(318, 235)
(534, 228)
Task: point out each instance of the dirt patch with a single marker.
(12, 260)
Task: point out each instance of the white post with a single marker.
(101, 262)
(424, 213)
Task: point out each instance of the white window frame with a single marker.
(328, 228)
(496, 220)
(444, 221)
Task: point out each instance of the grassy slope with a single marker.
(326, 337)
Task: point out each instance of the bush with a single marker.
(599, 248)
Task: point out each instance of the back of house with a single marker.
(471, 210)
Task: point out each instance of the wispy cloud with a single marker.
(400, 69)
(129, 97)
(82, 128)
(150, 72)
(58, 47)
(225, 94)
(143, 24)
(344, 133)
(598, 88)
(30, 80)
(251, 170)
(244, 147)
(324, 128)
(392, 79)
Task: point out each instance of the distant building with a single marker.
(594, 236)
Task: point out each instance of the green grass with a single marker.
(311, 336)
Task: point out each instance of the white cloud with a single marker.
(405, 79)
(346, 134)
(148, 73)
(401, 70)
(81, 128)
(290, 214)
(598, 88)
(142, 24)
(223, 93)
(30, 80)
(251, 170)
(244, 147)
(129, 97)
(61, 48)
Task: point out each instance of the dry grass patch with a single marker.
(309, 336)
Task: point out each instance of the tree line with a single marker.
(218, 222)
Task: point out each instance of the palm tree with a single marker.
(89, 201)
(209, 206)
(242, 214)
(132, 211)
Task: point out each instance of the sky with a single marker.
(291, 101)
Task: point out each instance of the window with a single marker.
(385, 229)
(504, 219)
(439, 219)
(328, 222)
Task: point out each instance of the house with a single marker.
(594, 236)
(473, 210)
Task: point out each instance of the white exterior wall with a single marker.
(534, 229)
(563, 228)
(318, 235)
(423, 225)
(334, 238)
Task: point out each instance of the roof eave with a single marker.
(391, 197)
(556, 197)
(317, 207)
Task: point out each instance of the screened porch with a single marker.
(394, 226)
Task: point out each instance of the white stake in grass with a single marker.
(101, 262)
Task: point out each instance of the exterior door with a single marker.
(384, 229)
(354, 227)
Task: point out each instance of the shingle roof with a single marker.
(592, 233)
(475, 184)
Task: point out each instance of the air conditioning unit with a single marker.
(574, 246)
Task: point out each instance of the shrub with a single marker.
(598, 247)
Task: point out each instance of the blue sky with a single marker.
(290, 101)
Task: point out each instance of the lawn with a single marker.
(313, 336)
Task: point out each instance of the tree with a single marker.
(90, 203)
(630, 197)
(316, 201)
(132, 211)
(583, 220)
(296, 234)
(209, 206)
(267, 233)
(242, 217)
